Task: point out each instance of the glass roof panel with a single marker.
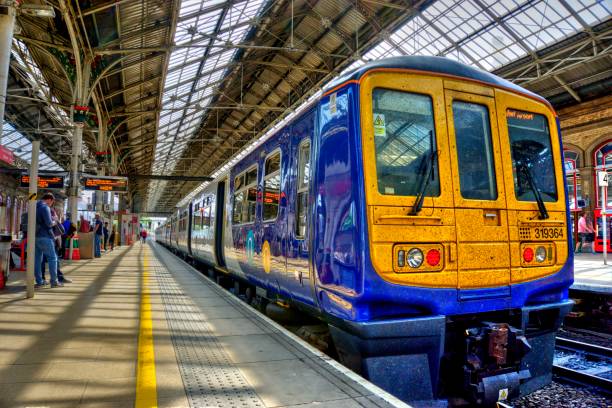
(488, 39)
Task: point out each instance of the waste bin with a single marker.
(5, 256)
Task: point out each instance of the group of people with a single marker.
(52, 236)
(102, 236)
(50, 242)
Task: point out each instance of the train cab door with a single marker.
(478, 188)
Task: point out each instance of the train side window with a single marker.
(197, 218)
(206, 216)
(237, 210)
(271, 193)
(302, 188)
(474, 151)
(245, 197)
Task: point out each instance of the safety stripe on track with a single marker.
(146, 381)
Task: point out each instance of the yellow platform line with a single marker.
(146, 382)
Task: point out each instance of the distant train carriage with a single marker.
(418, 207)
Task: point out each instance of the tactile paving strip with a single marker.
(208, 374)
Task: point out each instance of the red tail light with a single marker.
(528, 254)
(433, 257)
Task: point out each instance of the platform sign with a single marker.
(602, 178)
(46, 181)
(104, 183)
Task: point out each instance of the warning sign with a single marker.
(503, 394)
(380, 129)
(332, 104)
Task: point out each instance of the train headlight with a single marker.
(528, 255)
(401, 258)
(540, 254)
(415, 258)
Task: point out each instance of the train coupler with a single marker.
(493, 356)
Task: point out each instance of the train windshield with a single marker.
(532, 161)
(403, 130)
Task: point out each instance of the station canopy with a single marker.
(186, 88)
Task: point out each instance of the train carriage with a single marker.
(418, 207)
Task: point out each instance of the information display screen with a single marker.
(114, 184)
(49, 182)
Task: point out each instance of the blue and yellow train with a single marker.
(418, 207)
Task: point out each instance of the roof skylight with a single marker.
(193, 73)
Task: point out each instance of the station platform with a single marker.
(140, 327)
(590, 273)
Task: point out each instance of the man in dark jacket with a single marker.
(45, 241)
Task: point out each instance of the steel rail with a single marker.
(581, 377)
(574, 345)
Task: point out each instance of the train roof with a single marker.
(436, 65)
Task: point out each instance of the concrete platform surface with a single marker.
(591, 274)
(86, 344)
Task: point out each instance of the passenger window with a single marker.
(238, 182)
(532, 160)
(302, 188)
(245, 198)
(404, 137)
(197, 218)
(271, 194)
(474, 151)
(206, 217)
(237, 210)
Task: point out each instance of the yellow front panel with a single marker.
(480, 239)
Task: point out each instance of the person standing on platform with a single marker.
(111, 238)
(44, 244)
(586, 233)
(59, 233)
(105, 232)
(143, 235)
(84, 227)
(66, 224)
(98, 235)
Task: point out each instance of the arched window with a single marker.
(572, 162)
(602, 161)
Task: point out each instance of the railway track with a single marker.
(584, 364)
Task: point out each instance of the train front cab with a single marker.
(482, 269)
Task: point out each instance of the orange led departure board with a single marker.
(114, 184)
(48, 182)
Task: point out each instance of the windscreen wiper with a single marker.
(536, 192)
(429, 175)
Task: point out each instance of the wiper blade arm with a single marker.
(418, 203)
(536, 192)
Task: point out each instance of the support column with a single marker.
(77, 142)
(32, 191)
(7, 25)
